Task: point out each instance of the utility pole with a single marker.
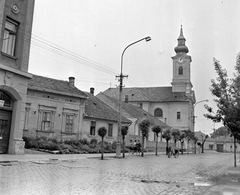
(121, 76)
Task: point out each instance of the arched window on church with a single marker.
(158, 112)
(180, 70)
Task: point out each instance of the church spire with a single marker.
(181, 47)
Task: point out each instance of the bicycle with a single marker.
(173, 152)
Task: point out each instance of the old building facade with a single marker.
(15, 28)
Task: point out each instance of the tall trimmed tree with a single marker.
(167, 136)
(189, 136)
(227, 97)
(182, 139)
(195, 140)
(144, 128)
(156, 129)
(176, 135)
(102, 131)
(124, 132)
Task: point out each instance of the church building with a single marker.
(173, 105)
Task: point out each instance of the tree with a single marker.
(176, 135)
(189, 136)
(195, 139)
(227, 98)
(124, 132)
(167, 136)
(144, 128)
(203, 141)
(181, 139)
(221, 131)
(102, 131)
(156, 129)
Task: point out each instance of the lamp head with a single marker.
(147, 38)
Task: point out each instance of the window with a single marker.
(46, 121)
(178, 115)
(9, 37)
(69, 123)
(92, 128)
(69, 116)
(158, 112)
(180, 70)
(46, 117)
(5, 100)
(140, 105)
(110, 130)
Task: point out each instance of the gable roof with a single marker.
(132, 111)
(56, 86)
(199, 135)
(95, 108)
(150, 94)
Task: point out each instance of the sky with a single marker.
(86, 38)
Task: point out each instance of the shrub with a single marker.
(94, 141)
(84, 141)
(54, 140)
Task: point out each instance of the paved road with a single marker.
(151, 175)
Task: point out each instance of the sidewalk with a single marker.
(40, 156)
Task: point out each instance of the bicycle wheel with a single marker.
(176, 154)
(169, 154)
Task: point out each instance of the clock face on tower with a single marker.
(180, 60)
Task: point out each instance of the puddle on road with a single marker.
(177, 184)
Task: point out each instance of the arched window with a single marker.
(158, 112)
(5, 100)
(180, 70)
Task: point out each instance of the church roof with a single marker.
(132, 111)
(41, 83)
(95, 108)
(148, 94)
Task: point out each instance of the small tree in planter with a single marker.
(189, 136)
(167, 136)
(203, 141)
(156, 129)
(102, 131)
(195, 139)
(176, 136)
(182, 138)
(144, 128)
(124, 132)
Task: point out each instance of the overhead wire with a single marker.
(46, 45)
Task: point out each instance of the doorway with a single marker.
(5, 121)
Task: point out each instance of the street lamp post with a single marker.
(194, 107)
(121, 76)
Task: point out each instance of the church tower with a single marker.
(181, 81)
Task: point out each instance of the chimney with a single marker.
(92, 90)
(71, 81)
(126, 98)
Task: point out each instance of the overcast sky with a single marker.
(85, 39)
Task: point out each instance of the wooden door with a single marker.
(4, 130)
(220, 147)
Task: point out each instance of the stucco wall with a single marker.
(37, 101)
(99, 123)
